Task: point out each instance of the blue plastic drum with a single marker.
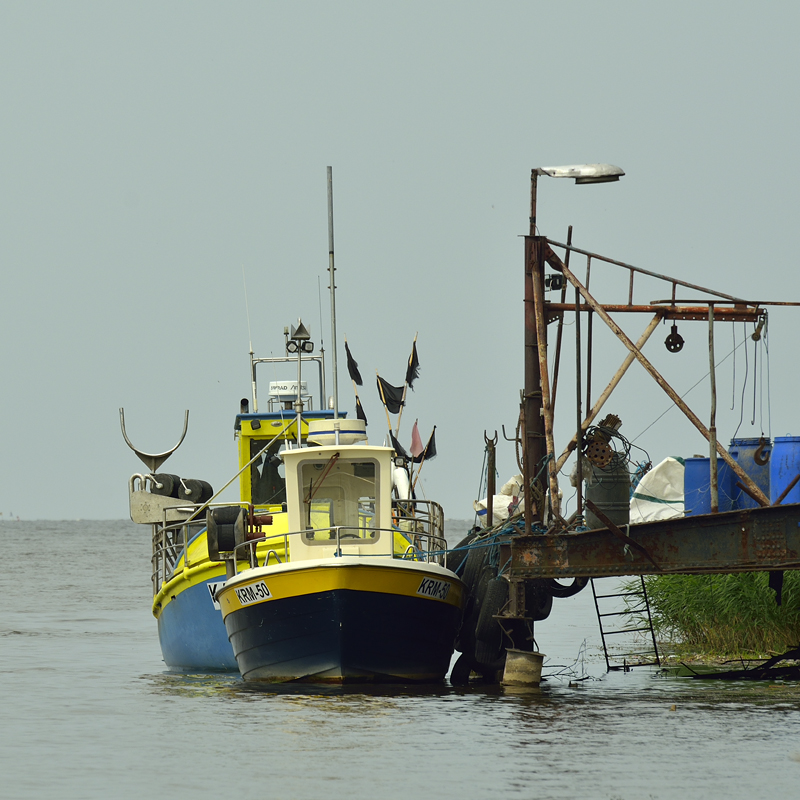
(784, 467)
(744, 452)
(697, 486)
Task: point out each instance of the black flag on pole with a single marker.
(412, 373)
(391, 396)
(352, 367)
(360, 411)
(430, 449)
(398, 448)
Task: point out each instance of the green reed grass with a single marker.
(724, 615)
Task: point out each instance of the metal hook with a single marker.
(759, 456)
(153, 460)
(506, 436)
(493, 440)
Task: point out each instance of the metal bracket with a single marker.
(153, 460)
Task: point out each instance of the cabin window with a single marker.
(267, 483)
(337, 493)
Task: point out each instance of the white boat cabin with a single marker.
(340, 497)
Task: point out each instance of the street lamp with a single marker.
(538, 443)
(582, 173)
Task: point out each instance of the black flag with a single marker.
(360, 411)
(430, 449)
(391, 396)
(398, 448)
(412, 373)
(352, 367)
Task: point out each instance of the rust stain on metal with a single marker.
(759, 538)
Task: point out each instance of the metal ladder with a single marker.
(638, 608)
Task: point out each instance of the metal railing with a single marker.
(171, 541)
(419, 516)
(420, 522)
(423, 531)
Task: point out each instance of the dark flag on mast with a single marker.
(391, 396)
(352, 368)
(430, 449)
(398, 448)
(360, 411)
(412, 373)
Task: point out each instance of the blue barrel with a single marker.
(743, 452)
(697, 486)
(784, 466)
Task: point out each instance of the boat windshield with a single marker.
(340, 493)
(267, 484)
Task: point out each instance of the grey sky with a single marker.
(150, 151)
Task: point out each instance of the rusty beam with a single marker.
(695, 313)
(560, 330)
(736, 541)
(544, 380)
(557, 263)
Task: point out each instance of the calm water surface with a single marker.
(88, 709)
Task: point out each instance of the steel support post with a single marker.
(533, 432)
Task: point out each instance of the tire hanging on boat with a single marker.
(458, 555)
(459, 675)
(538, 599)
(487, 628)
(472, 567)
(465, 641)
(559, 590)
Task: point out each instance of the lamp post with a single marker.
(537, 411)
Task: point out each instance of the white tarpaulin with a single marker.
(508, 502)
(659, 494)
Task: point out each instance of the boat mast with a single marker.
(332, 271)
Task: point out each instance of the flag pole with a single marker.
(424, 453)
(411, 463)
(419, 469)
(405, 388)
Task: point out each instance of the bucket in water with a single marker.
(697, 486)
(784, 467)
(522, 668)
(743, 452)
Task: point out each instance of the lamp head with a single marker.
(584, 173)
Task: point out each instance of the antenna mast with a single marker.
(332, 271)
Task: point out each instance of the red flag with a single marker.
(416, 443)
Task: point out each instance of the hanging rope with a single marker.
(733, 383)
(769, 396)
(755, 380)
(744, 385)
